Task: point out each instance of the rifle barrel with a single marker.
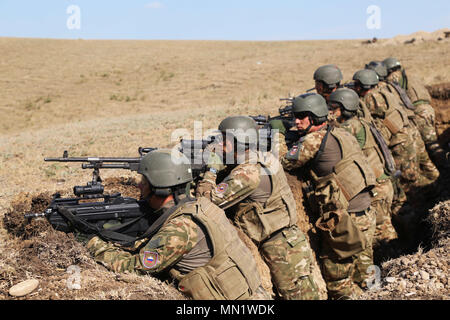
(93, 159)
(34, 215)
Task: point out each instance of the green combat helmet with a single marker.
(166, 170)
(347, 99)
(329, 74)
(244, 129)
(366, 78)
(392, 64)
(312, 105)
(379, 67)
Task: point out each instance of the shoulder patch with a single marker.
(149, 259)
(293, 151)
(222, 187)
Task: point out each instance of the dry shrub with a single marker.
(439, 220)
(422, 275)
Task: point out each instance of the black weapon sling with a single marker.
(403, 95)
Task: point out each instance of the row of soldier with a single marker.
(349, 140)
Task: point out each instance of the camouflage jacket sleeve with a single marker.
(162, 251)
(238, 185)
(304, 151)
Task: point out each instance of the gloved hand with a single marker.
(204, 189)
(214, 162)
(278, 124)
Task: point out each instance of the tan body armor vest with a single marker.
(259, 221)
(231, 274)
(372, 151)
(351, 175)
(364, 112)
(395, 119)
(417, 92)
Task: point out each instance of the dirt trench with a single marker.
(36, 250)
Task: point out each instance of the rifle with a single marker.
(287, 116)
(85, 215)
(193, 150)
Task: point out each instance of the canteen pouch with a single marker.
(343, 236)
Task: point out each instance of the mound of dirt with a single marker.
(127, 186)
(422, 275)
(35, 250)
(440, 94)
(417, 37)
(439, 220)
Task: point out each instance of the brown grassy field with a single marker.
(107, 98)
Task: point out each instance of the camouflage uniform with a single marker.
(425, 117)
(269, 220)
(344, 274)
(401, 143)
(191, 245)
(420, 131)
(383, 192)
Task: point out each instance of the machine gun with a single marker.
(92, 210)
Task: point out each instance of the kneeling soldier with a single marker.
(257, 196)
(192, 238)
(339, 179)
(344, 105)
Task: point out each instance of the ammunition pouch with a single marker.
(258, 222)
(228, 282)
(394, 122)
(341, 233)
(328, 194)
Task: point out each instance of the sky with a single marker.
(265, 20)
